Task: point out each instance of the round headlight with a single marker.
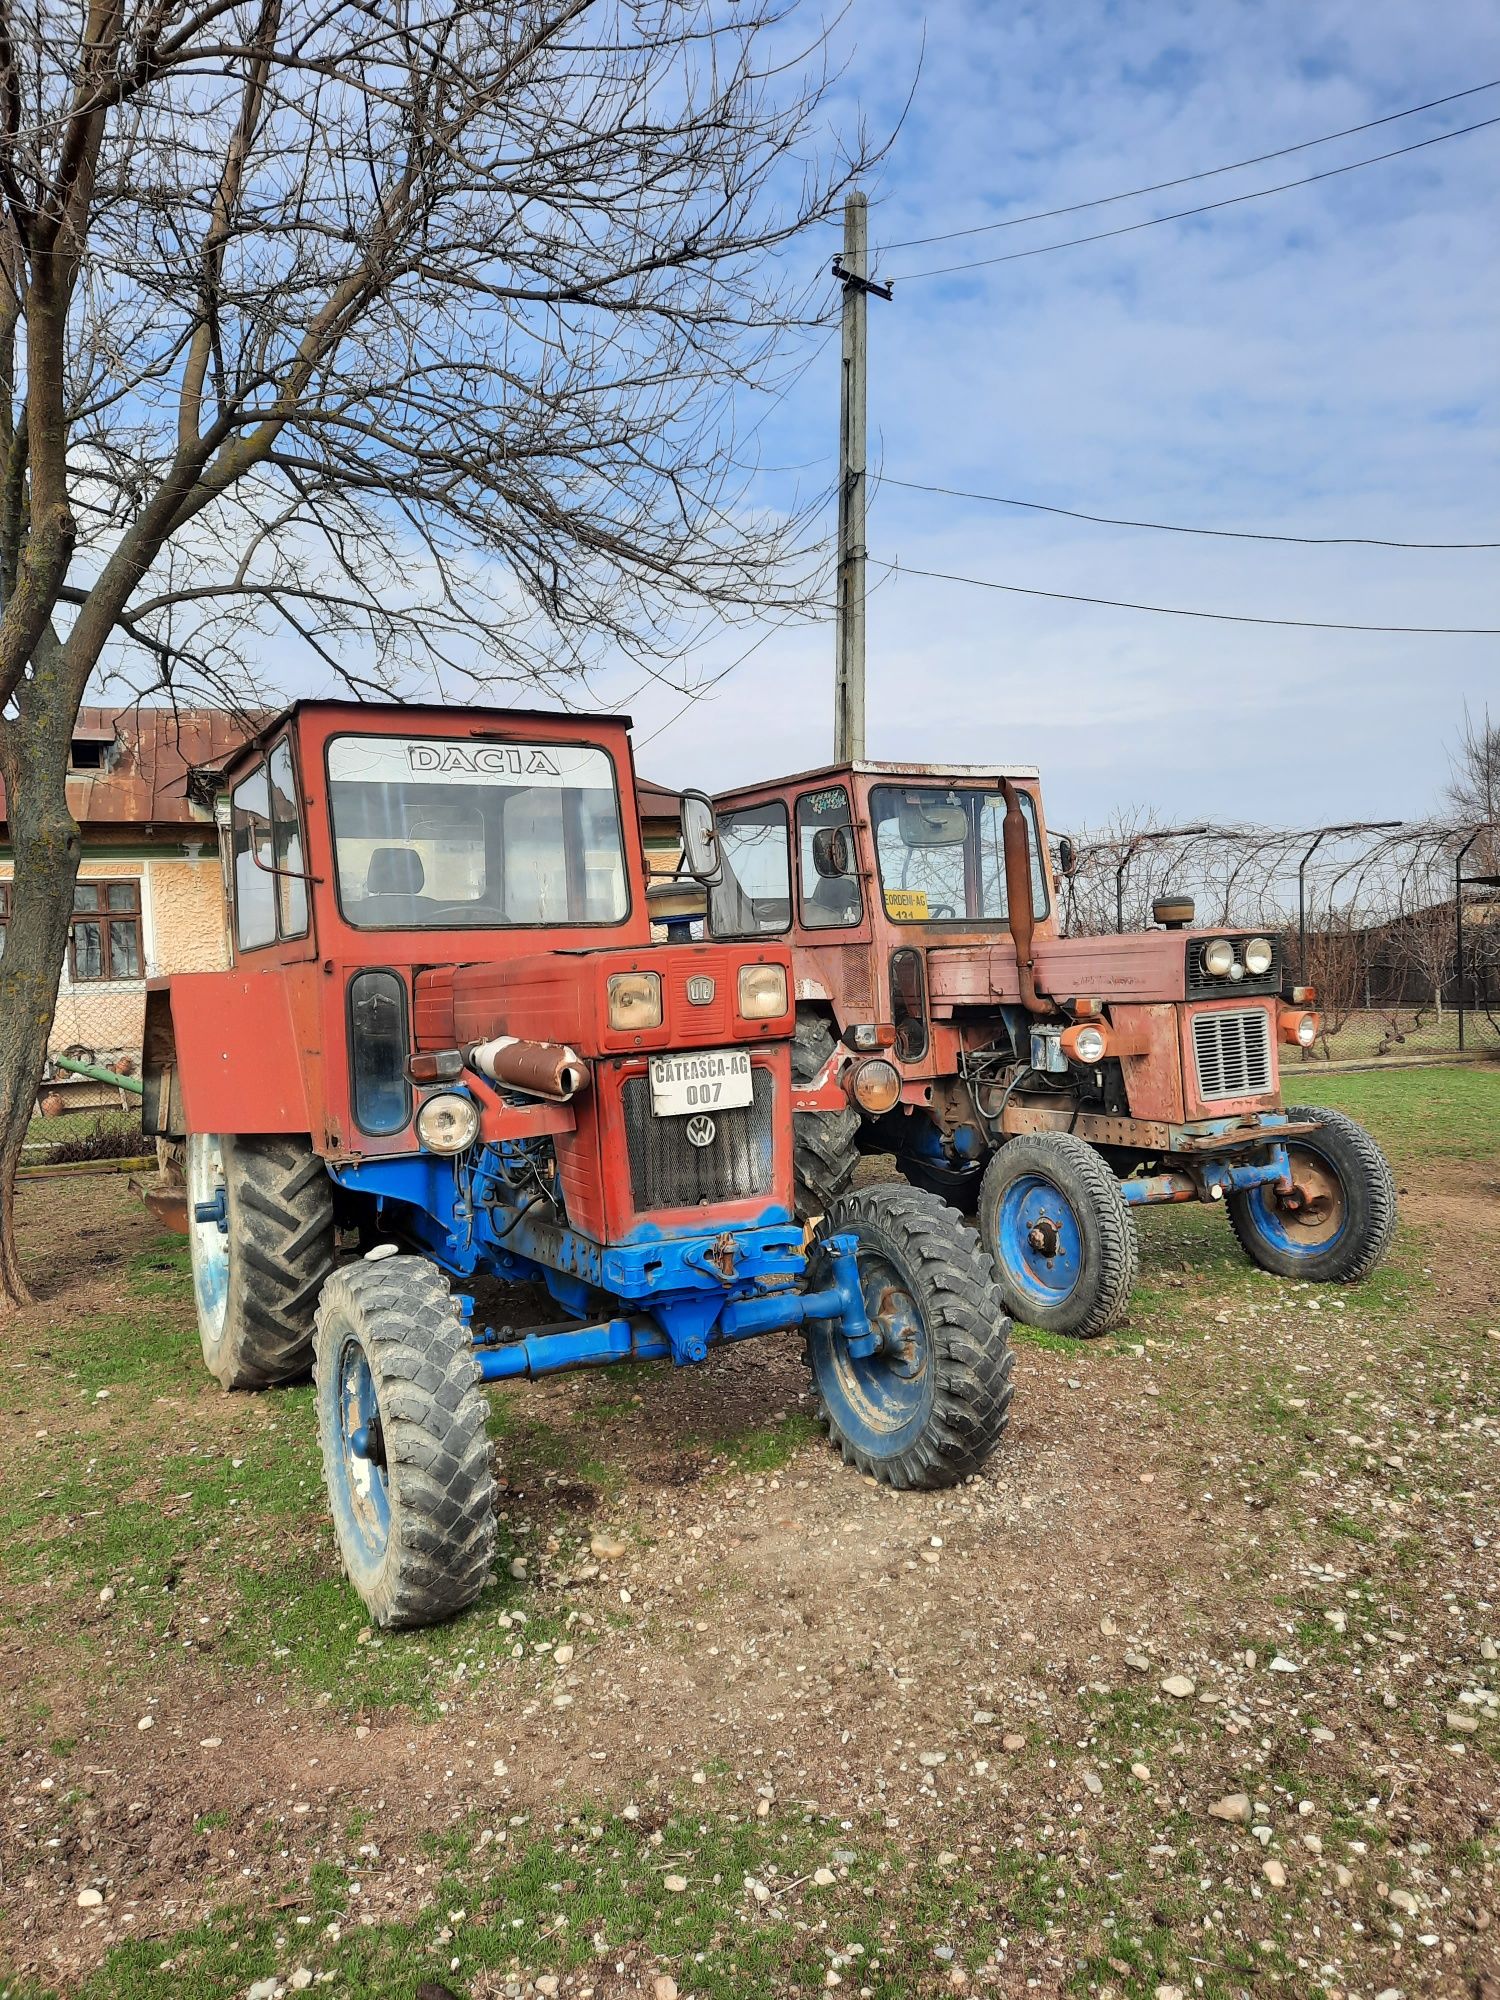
(762, 992)
(875, 1086)
(635, 1000)
(1088, 1045)
(1307, 1030)
(1218, 958)
(448, 1123)
(1258, 956)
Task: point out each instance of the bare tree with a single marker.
(1473, 789)
(390, 336)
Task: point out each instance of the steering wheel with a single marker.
(465, 912)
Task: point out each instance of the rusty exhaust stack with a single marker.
(1018, 897)
(540, 1069)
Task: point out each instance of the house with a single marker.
(150, 894)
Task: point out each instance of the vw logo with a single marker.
(700, 990)
(701, 1131)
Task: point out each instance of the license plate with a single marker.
(714, 1080)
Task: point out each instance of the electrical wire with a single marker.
(1182, 180)
(1204, 208)
(1176, 527)
(1179, 611)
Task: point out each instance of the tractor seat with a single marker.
(835, 900)
(394, 882)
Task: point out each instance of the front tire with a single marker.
(825, 1144)
(258, 1265)
(928, 1408)
(1063, 1241)
(405, 1455)
(1337, 1224)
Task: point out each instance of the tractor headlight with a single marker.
(448, 1123)
(875, 1086)
(635, 1000)
(1088, 1045)
(1258, 956)
(1218, 958)
(762, 992)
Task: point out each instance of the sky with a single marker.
(1320, 362)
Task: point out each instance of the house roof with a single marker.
(656, 801)
(148, 754)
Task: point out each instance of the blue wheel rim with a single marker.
(879, 1401)
(363, 1490)
(1039, 1244)
(1314, 1218)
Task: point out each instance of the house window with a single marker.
(86, 753)
(104, 939)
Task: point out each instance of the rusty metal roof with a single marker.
(148, 753)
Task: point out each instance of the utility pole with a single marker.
(852, 271)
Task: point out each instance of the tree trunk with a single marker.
(44, 841)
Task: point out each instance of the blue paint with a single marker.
(879, 1390)
(357, 1484)
(1279, 1229)
(1039, 1244)
(216, 1210)
(1178, 1185)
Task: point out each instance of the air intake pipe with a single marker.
(1017, 850)
(538, 1069)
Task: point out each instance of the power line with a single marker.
(1175, 527)
(1182, 180)
(1178, 611)
(1204, 208)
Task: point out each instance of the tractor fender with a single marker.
(230, 1052)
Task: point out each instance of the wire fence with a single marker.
(1396, 923)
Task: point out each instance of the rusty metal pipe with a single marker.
(1017, 851)
(540, 1069)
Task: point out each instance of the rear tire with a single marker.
(929, 1407)
(1346, 1218)
(825, 1144)
(257, 1278)
(405, 1455)
(1063, 1241)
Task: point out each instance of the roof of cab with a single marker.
(862, 767)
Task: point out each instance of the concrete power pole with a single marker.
(852, 271)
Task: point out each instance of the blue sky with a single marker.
(1322, 362)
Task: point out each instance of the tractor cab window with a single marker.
(754, 894)
(829, 878)
(270, 889)
(447, 833)
(942, 857)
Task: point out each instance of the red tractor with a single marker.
(1053, 1083)
(448, 1052)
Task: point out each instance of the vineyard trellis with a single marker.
(1396, 922)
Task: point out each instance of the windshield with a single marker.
(942, 856)
(432, 832)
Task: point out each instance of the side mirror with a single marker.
(700, 839)
(831, 858)
(1067, 855)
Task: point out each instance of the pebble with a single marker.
(983, 1717)
(563, 1655)
(608, 1547)
(1092, 1782)
(1234, 1806)
(932, 1758)
(301, 1979)
(1141, 1771)
(146, 1722)
(824, 1877)
(1321, 1735)
(1339, 1620)
(107, 1595)
(1467, 1723)
(1404, 1901)
(263, 1989)
(1274, 1873)
(1138, 1662)
(664, 1987)
(1170, 1993)
(210, 1742)
(1178, 1686)
(518, 1568)
(1012, 1742)
(1282, 1665)
(675, 1884)
(1108, 1626)
(548, 1984)
(1488, 1650)
(89, 1899)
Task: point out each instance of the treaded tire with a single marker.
(416, 1527)
(825, 1147)
(257, 1284)
(1369, 1195)
(938, 1424)
(1105, 1250)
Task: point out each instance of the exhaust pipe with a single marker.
(1017, 851)
(538, 1069)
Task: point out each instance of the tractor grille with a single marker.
(1200, 982)
(1233, 1053)
(667, 1172)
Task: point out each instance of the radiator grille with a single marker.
(667, 1172)
(1200, 982)
(1233, 1053)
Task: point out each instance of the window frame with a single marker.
(1037, 872)
(851, 923)
(507, 742)
(776, 804)
(107, 919)
(274, 824)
